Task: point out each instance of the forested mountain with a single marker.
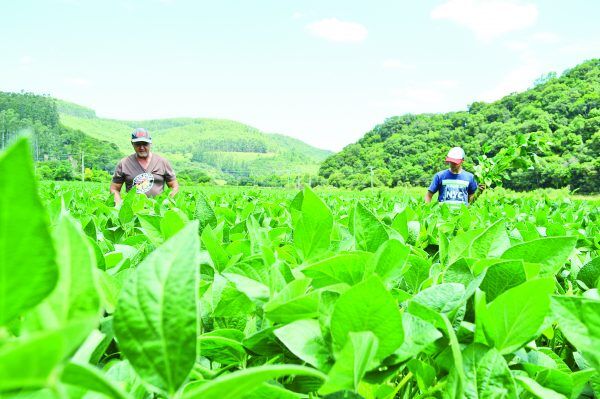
(562, 112)
(57, 148)
(222, 148)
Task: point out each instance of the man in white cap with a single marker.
(146, 171)
(455, 185)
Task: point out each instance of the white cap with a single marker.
(455, 155)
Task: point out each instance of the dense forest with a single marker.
(57, 149)
(562, 113)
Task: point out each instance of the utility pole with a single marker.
(82, 166)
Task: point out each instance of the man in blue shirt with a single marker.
(455, 185)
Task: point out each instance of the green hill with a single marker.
(562, 112)
(223, 148)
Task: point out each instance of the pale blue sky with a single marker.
(323, 71)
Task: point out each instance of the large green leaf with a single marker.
(590, 273)
(244, 382)
(487, 374)
(515, 316)
(579, 320)
(204, 213)
(502, 276)
(76, 296)
(91, 379)
(442, 298)
(28, 362)
(459, 246)
(313, 224)
(304, 339)
(369, 233)
(491, 243)
(352, 363)
(418, 334)
(390, 259)
(155, 320)
(294, 302)
(215, 249)
(346, 268)
(368, 306)
(536, 389)
(28, 272)
(551, 252)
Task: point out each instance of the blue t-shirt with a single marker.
(453, 188)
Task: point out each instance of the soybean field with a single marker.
(271, 293)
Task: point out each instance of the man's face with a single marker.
(454, 167)
(142, 149)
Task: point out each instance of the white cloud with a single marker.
(78, 81)
(585, 49)
(519, 79)
(297, 15)
(334, 30)
(545, 37)
(397, 64)
(517, 45)
(447, 83)
(26, 60)
(488, 19)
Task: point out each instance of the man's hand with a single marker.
(481, 188)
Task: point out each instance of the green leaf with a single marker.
(223, 346)
(215, 249)
(515, 316)
(536, 389)
(442, 298)
(590, 273)
(244, 382)
(313, 223)
(487, 374)
(369, 233)
(368, 306)
(293, 303)
(352, 363)
(91, 379)
(551, 252)
(579, 320)
(491, 243)
(171, 223)
(390, 259)
(76, 296)
(28, 362)
(155, 320)
(204, 213)
(502, 276)
(151, 228)
(304, 339)
(459, 246)
(418, 334)
(28, 271)
(346, 268)
(400, 224)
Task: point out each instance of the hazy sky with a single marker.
(324, 71)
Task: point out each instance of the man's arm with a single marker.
(477, 193)
(174, 185)
(428, 196)
(115, 189)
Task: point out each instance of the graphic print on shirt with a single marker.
(455, 191)
(143, 182)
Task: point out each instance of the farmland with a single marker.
(247, 293)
